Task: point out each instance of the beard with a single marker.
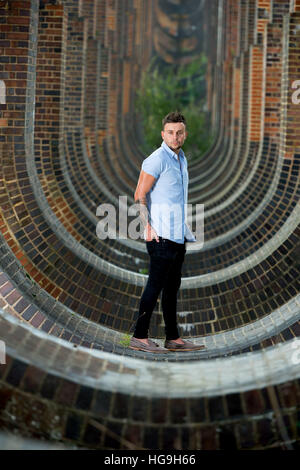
(176, 148)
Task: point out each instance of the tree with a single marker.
(175, 88)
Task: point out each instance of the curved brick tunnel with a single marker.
(70, 139)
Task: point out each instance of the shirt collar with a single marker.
(170, 151)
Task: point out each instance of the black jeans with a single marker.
(166, 259)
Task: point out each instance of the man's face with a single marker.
(174, 135)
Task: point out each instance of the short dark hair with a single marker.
(174, 116)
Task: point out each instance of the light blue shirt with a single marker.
(167, 198)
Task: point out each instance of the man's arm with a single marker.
(144, 185)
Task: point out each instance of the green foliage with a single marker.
(143, 271)
(125, 341)
(175, 88)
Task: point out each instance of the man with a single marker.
(162, 193)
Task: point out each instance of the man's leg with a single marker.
(169, 295)
(169, 303)
(161, 262)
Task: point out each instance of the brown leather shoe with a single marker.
(141, 346)
(187, 346)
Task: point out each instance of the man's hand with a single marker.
(150, 233)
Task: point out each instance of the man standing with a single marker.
(162, 193)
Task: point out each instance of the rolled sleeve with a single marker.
(152, 165)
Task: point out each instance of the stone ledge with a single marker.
(221, 376)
